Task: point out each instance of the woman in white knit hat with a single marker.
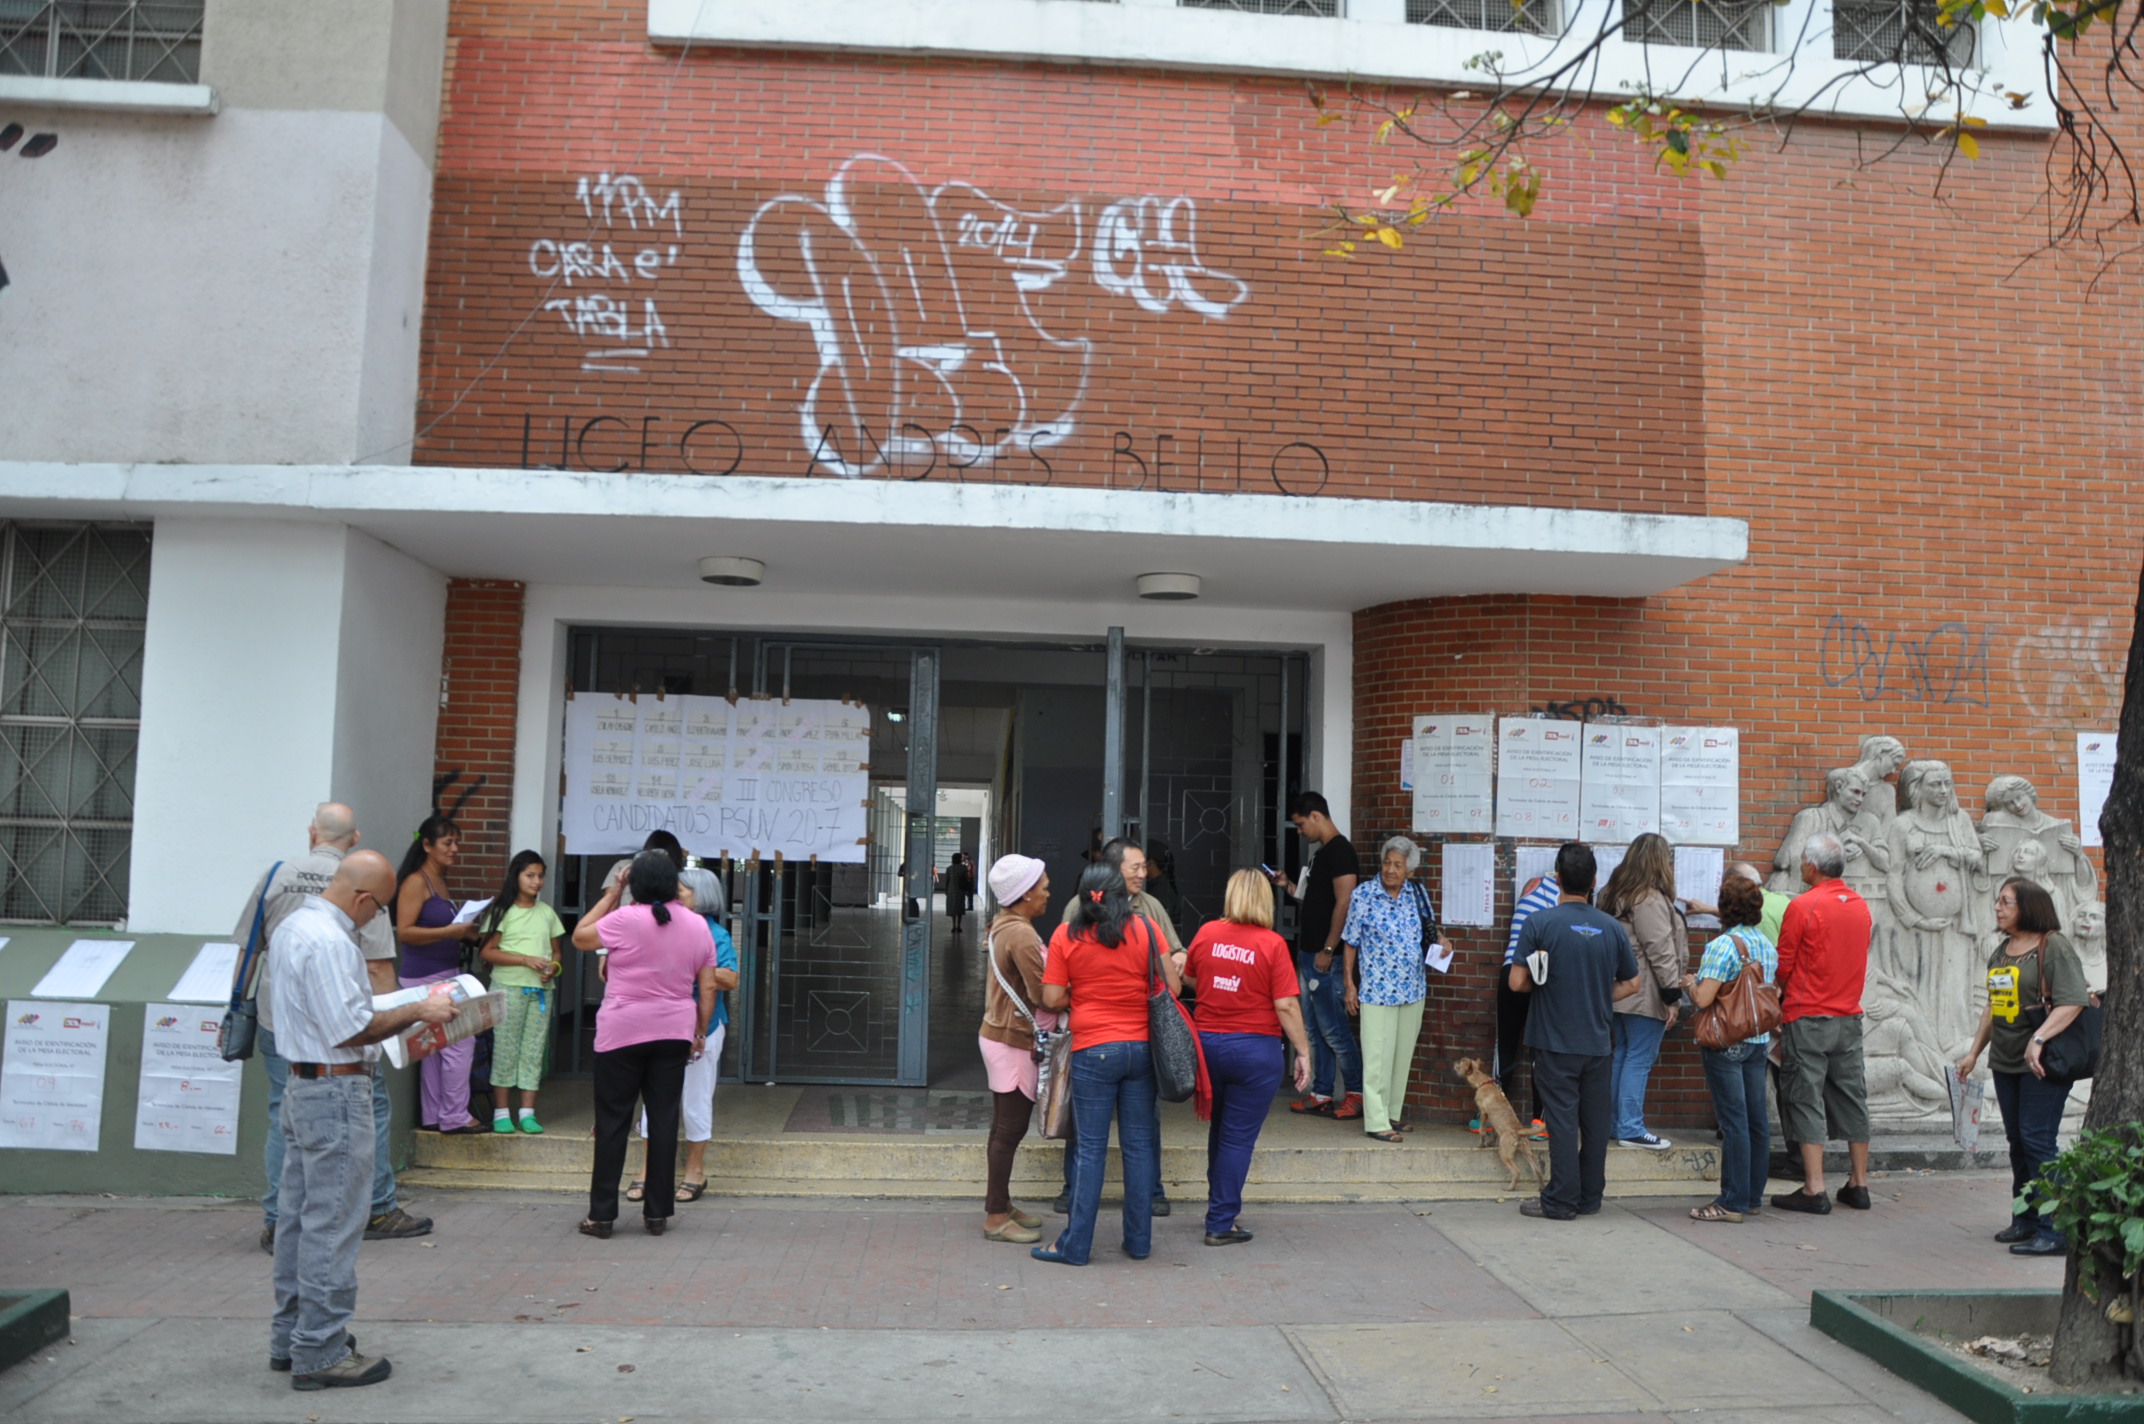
(1021, 887)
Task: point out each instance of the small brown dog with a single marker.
(1497, 1117)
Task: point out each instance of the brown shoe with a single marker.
(349, 1372)
(1349, 1107)
(396, 1225)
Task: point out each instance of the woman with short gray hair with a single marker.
(1389, 921)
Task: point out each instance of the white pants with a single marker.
(699, 1101)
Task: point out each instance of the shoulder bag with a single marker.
(1053, 1058)
(1425, 911)
(1741, 1010)
(2074, 1052)
(1169, 1036)
(241, 1018)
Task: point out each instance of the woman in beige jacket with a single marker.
(1641, 894)
(1012, 1009)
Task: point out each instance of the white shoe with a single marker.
(1648, 1143)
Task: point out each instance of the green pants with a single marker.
(518, 1043)
(1389, 1032)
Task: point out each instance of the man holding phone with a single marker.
(1327, 883)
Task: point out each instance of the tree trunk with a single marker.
(2088, 1348)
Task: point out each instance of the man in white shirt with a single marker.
(326, 1026)
(332, 835)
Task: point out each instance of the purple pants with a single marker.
(443, 1078)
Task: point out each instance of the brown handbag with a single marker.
(1741, 1010)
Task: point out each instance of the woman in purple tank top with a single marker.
(431, 944)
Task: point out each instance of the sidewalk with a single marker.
(849, 1312)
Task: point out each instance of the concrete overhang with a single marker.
(883, 537)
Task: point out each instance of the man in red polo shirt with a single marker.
(1823, 961)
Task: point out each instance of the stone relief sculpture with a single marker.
(1846, 791)
(2089, 935)
(1935, 861)
(1880, 762)
(2019, 839)
(1903, 1062)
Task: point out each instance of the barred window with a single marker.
(1522, 17)
(1898, 32)
(1699, 24)
(157, 40)
(77, 601)
(1322, 9)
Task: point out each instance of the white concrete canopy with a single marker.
(881, 537)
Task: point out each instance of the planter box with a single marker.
(29, 1321)
(1896, 1330)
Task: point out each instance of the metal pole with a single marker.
(1146, 745)
(1280, 774)
(1113, 739)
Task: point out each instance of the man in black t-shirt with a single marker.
(1575, 962)
(1328, 881)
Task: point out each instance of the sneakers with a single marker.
(531, 1126)
(1853, 1196)
(1474, 1125)
(1815, 1204)
(349, 1372)
(1161, 1206)
(1312, 1103)
(1539, 1131)
(394, 1226)
(1063, 1205)
(1649, 1142)
(1348, 1108)
(503, 1125)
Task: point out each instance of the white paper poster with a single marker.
(1538, 766)
(1454, 775)
(1701, 785)
(1605, 859)
(2095, 778)
(1406, 763)
(208, 979)
(762, 775)
(1469, 883)
(52, 1074)
(82, 970)
(1698, 872)
(1530, 863)
(189, 1095)
(1620, 800)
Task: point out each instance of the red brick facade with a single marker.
(478, 699)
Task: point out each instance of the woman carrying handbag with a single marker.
(1732, 992)
(1011, 1017)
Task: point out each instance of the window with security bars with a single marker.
(1699, 24)
(1533, 17)
(77, 601)
(1322, 9)
(1898, 32)
(155, 40)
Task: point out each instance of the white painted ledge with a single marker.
(877, 537)
(123, 96)
(1371, 42)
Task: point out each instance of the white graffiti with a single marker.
(1142, 239)
(2070, 670)
(606, 200)
(922, 307)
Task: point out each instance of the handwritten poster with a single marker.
(760, 775)
(2095, 778)
(1701, 785)
(1530, 863)
(1538, 773)
(189, 1096)
(1454, 778)
(1469, 883)
(1698, 872)
(1605, 859)
(52, 1075)
(1620, 799)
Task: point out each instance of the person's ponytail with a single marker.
(653, 881)
(1102, 905)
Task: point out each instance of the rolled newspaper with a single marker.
(479, 1011)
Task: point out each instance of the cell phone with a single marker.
(1267, 868)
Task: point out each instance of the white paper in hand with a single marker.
(1537, 965)
(1439, 957)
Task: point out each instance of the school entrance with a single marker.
(855, 972)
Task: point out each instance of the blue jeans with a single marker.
(1637, 1044)
(1335, 1061)
(1736, 1077)
(328, 1124)
(2032, 1116)
(1245, 1069)
(383, 1171)
(1113, 1079)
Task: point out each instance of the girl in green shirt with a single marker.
(519, 934)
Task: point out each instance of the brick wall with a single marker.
(476, 727)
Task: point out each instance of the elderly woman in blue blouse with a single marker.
(1389, 920)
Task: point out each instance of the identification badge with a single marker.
(2003, 992)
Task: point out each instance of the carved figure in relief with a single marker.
(1905, 1066)
(2089, 935)
(1880, 762)
(1935, 859)
(2013, 821)
(1846, 791)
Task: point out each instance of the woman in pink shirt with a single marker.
(658, 994)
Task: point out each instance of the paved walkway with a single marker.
(859, 1312)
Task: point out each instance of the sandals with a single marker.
(690, 1191)
(636, 1191)
(1403, 1127)
(591, 1227)
(1384, 1136)
(1713, 1211)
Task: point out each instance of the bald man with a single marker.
(332, 835)
(323, 1005)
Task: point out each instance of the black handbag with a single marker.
(241, 1019)
(2074, 1052)
(1425, 912)
(1174, 1047)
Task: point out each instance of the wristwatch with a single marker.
(2041, 1041)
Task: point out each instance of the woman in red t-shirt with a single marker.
(1248, 997)
(1103, 963)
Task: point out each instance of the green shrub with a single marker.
(2094, 1195)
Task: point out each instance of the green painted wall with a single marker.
(147, 976)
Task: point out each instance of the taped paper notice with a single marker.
(2095, 778)
(189, 1096)
(1530, 863)
(82, 970)
(1469, 884)
(1701, 785)
(52, 1075)
(1620, 799)
(1454, 775)
(1538, 775)
(208, 979)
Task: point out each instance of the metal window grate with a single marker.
(1700, 24)
(155, 40)
(1320, 9)
(74, 601)
(1898, 32)
(1533, 17)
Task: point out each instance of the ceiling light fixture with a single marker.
(730, 571)
(1169, 588)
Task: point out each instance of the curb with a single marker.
(29, 1321)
